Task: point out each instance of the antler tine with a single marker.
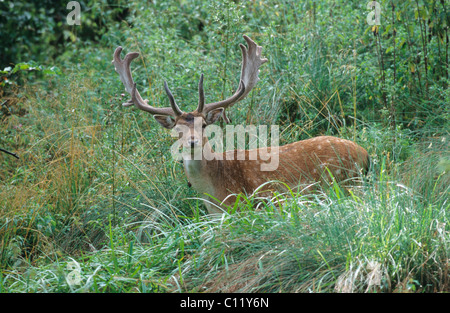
(122, 66)
(227, 102)
(251, 61)
(173, 104)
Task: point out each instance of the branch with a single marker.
(10, 153)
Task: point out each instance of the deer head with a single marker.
(206, 113)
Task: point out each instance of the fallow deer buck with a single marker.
(216, 177)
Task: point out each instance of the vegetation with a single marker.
(96, 193)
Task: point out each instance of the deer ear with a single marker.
(166, 121)
(213, 115)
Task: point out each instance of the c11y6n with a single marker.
(246, 302)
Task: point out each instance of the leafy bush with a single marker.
(97, 177)
(38, 30)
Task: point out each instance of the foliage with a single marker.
(31, 27)
(96, 186)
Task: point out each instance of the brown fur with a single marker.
(301, 165)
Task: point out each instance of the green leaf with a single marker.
(20, 67)
(424, 13)
(52, 71)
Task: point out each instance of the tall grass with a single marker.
(382, 237)
(96, 186)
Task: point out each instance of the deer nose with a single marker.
(193, 141)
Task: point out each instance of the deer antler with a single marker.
(251, 61)
(123, 68)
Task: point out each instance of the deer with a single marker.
(220, 177)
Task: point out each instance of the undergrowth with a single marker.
(97, 204)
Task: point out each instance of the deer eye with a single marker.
(179, 131)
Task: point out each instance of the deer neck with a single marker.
(198, 167)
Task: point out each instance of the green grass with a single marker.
(96, 186)
(381, 238)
